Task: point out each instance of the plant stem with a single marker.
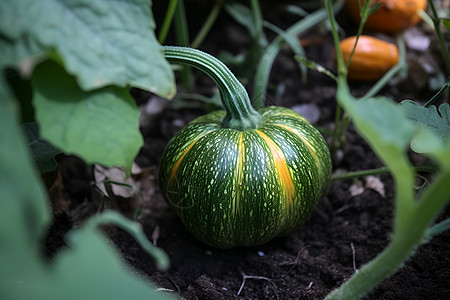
(336, 138)
(342, 72)
(357, 174)
(365, 12)
(181, 25)
(402, 244)
(207, 24)
(182, 37)
(167, 21)
(437, 229)
(266, 62)
(437, 28)
(411, 217)
(438, 94)
(363, 173)
(374, 272)
(240, 113)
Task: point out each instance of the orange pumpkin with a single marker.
(371, 59)
(392, 16)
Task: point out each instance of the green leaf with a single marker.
(24, 209)
(21, 89)
(385, 127)
(446, 23)
(382, 122)
(250, 18)
(314, 66)
(433, 138)
(135, 230)
(15, 50)
(100, 126)
(242, 15)
(427, 142)
(101, 42)
(91, 269)
(293, 42)
(43, 153)
(295, 9)
(14, 172)
(430, 117)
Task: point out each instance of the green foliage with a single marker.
(446, 23)
(104, 45)
(381, 121)
(102, 126)
(252, 20)
(101, 42)
(83, 106)
(43, 153)
(436, 120)
(88, 269)
(24, 210)
(389, 129)
(270, 52)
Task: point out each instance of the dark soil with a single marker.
(344, 232)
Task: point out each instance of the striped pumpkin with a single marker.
(244, 187)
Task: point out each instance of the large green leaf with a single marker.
(384, 125)
(15, 50)
(435, 120)
(102, 274)
(433, 136)
(427, 142)
(24, 210)
(101, 42)
(89, 269)
(20, 191)
(100, 126)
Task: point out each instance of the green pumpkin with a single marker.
(242, 176)
(242, 188)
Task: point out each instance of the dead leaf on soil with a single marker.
(374, 183)
(121, 185)
(371, 182)
(357, 188)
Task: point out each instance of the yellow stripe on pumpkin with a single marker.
(282, 168)
(305, 141)
(239, 174)
(178, 162)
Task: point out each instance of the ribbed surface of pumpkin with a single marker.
(242, 188)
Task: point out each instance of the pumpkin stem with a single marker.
(240, 113)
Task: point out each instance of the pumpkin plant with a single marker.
(389, 128)
(241, 176)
